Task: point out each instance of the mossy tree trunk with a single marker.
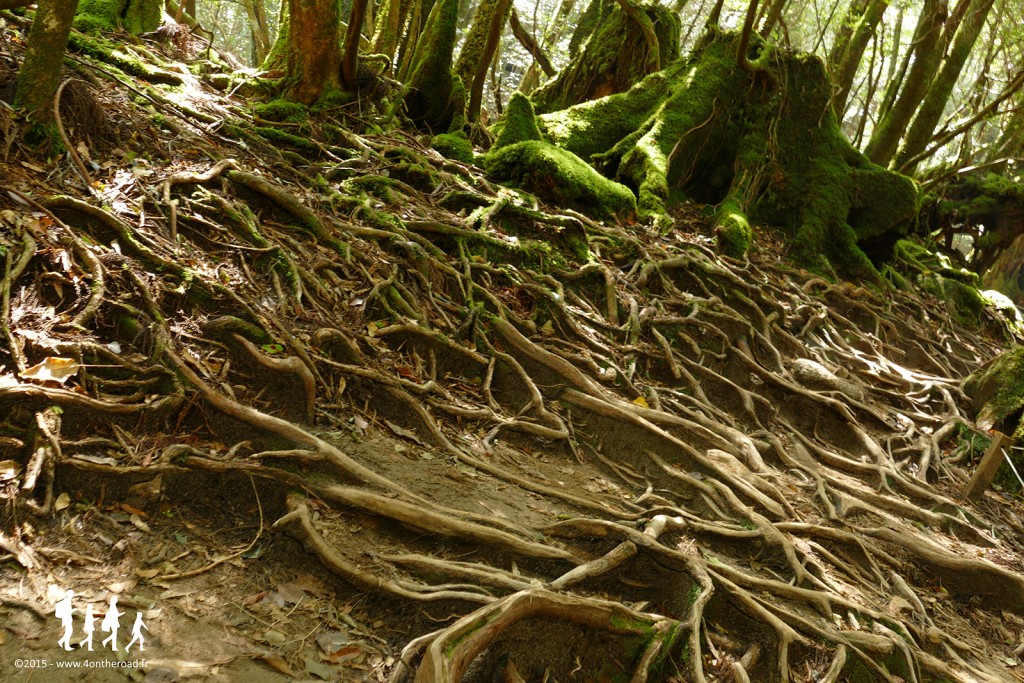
(479, 48)
(350, 57)
(313, 49)
(614, 57)
(764, 146)
(436, 95)
(387, 32)
(851, 41)
(39, 75)
(134, 16)
(934, 104)
(927, 55)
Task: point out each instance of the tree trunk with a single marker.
(611, 60)
(257, 29)
(934, 104)
(314, 49)
(498, 16)
(772, 16)
(432, 84)
(769, 148)
(927, 55)
(846, 55)
(350, 58)
(553, 33)
(528, 42)
(390, 20)
(474, 49)
(39, 75)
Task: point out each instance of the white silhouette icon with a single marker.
(89, 628)
(63, 612)
(112, 622)
(137, 633)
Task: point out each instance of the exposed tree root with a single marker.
(716, 469)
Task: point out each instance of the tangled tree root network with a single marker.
(618, 455)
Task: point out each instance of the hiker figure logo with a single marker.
(111, 624)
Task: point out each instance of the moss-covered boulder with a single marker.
(560, 177)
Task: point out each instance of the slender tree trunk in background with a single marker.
(527, 41)
(39, 75)
(716, 14)
(934, 104)
(873, 77)
(407, 46)
(553, 33)
(844, 60)
(190, 8)
(474, 48)
(927, 55)
(979, 93)
(314, 49)
(350, 58)
(772, 16)
(694, 24)
(498, 17)
(823, 28)
(258, 29)
(389, 25)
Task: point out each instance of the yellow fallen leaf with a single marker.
(62, 502)
(640, 401)
(53, 369)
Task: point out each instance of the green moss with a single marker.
(454, 146)
(282, 111)
(282, 138)
(93, 16)
(560, 177)
(519, 123)
(733, 229)
(112, 54)
(429, 101)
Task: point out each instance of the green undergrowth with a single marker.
(934, 273)
(115, 55)
(561, 177)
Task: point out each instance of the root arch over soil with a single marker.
(707, 469)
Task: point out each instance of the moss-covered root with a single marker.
(732, 228)
(560, 177)
(519, 123)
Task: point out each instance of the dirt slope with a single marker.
(350, 412)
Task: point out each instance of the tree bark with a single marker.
(257, 28)
(350, 58)
(475, 47)
(314, 52)
(927, 55)
(934, 104)
(429, 101)
(390, 20)
(497, 23)
(527, 41)
(772, 17)
(39, 75)
(851, 42)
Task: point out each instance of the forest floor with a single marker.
(345, 410)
